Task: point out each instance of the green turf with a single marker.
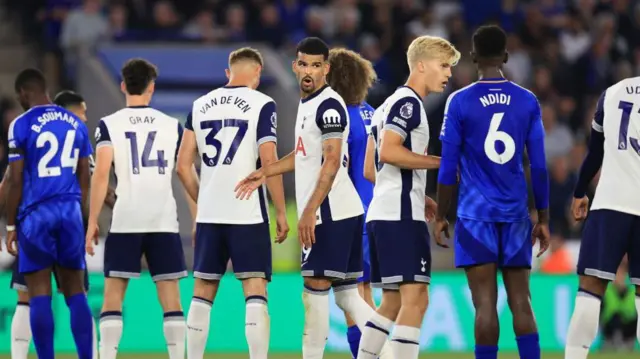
(635, 355)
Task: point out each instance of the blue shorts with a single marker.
(18, 283)
(52, 233)
(607, 236)
(400, 253)
(337, 253)
(508, 244)
(247, 245)
(366, 260)
(163, 251)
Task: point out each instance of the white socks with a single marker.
(374, 336)
(405, 342)
(110, 334)
(174, 329)
(316, 322)
(95, 338)
(198, 327)
(257, 327)
(350, 301)
(20, 332)
(583, 327)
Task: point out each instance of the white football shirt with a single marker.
(618, 119)
(145, 144)
(230, 123)
(399, 194)
(323, 115)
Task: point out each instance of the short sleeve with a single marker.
(331, 118)
(536, 129)
(189, 123)
(15, 137)
(85, 146)
(451, 130)
(103, 138)
(598, 117)
(180, 133)
(267, 124)
(404, 116)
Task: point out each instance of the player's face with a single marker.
(436, 73)
(311, 71)
(80, 111)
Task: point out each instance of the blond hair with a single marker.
(432, 47)
(351, 75)
(245, 53)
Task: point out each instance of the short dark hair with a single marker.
(30, 79)
(68, 98)
(490, 41)
(137, 74)
(313, 46)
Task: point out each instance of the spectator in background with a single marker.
(346, 34)
(203, 28)
(518, 67)
(618, 316)
(118, 22)
(561, 184)
(559, 139)
(166, 22)
(84, 26)
(271, 27)
(235, 24)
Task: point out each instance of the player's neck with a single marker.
(490, 72)
(239, 81)
(414, 84)
(40, 101)
(304, 95)
(137, 101)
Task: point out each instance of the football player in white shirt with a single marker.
(398, 232)
(142, 144)
(329, 208)
(612, 229)
(233, 129)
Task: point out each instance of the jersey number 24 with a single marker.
(68, 157)
(494, 135)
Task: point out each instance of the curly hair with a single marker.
(350, 75)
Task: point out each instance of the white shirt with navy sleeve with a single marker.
(230, 123)
(322, 116)
(399, 194)
(617, 117)
(145, 144)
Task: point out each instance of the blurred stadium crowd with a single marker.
(566, 51)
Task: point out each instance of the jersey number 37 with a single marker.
(495, 135)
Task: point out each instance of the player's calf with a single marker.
(405, 339)
(41, 313)
(174, 326)
(21, 328)
(315, 298)
(377, 328)
(516, 281)
(583, 327)
(72, 286)
(198, 319)
(111, 316)
(257, 321)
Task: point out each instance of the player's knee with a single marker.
(414, 295)
(317, 283)
(205, 289)
(169, 295)
(114, 289)
(23, 297)
(486, 325)
(390, 305)
(593, 285)
(254, 287)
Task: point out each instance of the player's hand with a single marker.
(542, 235)
(245, 188)
(92, 238)
(282, 227)
(579, 208)
(307, 228)
(441, 227)
(430, 209)
(12, 243)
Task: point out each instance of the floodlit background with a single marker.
(566, 51)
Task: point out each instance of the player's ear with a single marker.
(474, 57)
(227, 73)
(293, 66)
(152, 87)
(506, 57)
(327, 68)
(123, 87)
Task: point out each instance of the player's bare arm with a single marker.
(369, 160)
(99, 186)
(184, 166)
(83, 173)
(14, 197)
(393, 152)
(258, 177)
(590, 167)
(331, 152)
(4, 189)
(268, 156)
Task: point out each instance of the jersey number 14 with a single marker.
(494, 135)
(145, 160)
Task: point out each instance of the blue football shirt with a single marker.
(50, 140)
(490, 123)
(359, 126)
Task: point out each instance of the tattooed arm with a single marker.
(331, 151)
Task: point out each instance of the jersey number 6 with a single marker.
(216, 126)
(493, 136)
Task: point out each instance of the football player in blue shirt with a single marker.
(49, 153)
(486, 128)
(351, 76)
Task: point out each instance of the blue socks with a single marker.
(41, 318)
(529, 346)
(81, 325)
(353, 337)
(486, 351)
